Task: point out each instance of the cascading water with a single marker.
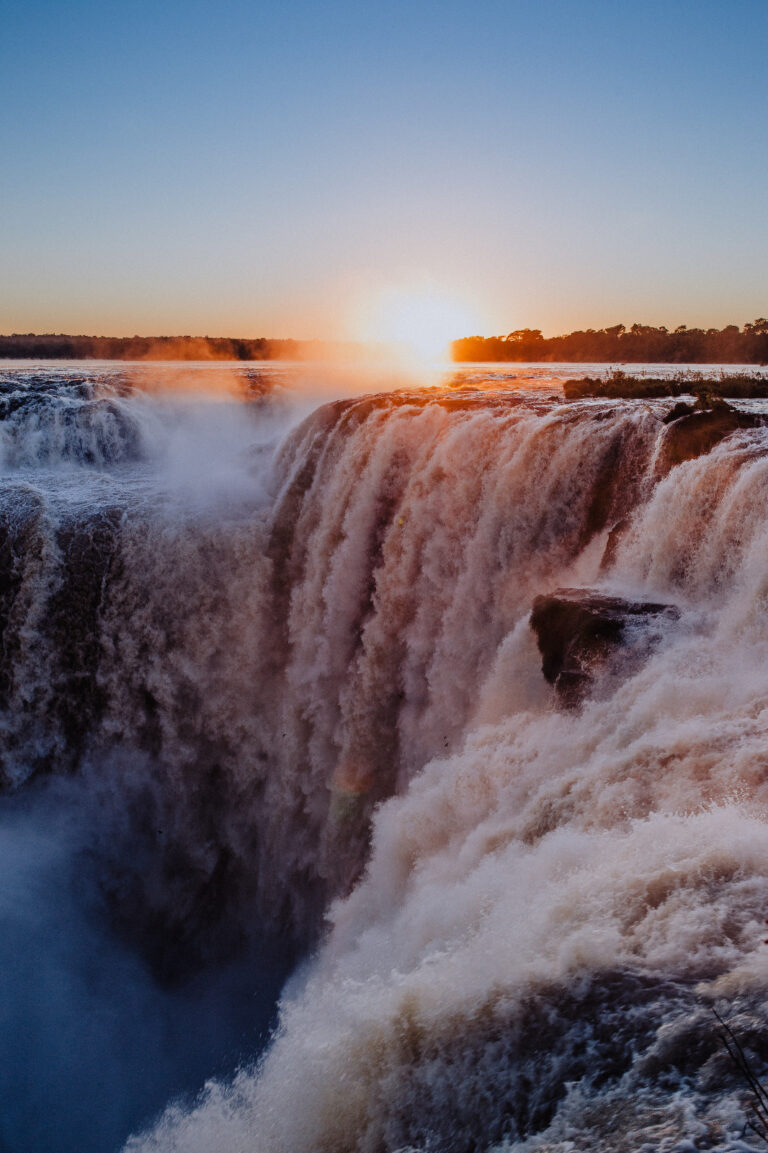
(269, 686)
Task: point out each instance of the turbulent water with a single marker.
(273, 718)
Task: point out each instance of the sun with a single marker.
(420, 321)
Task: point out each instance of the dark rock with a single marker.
(696, 433)
(87, 545)
(617, 482)
(615, 537)
(579, 631)
(678, 410)
(609, 489)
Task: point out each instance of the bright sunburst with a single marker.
(420, 321)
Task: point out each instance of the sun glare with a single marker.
(419, 322)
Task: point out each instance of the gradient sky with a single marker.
(261, 169)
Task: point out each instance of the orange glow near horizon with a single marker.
(418, 322)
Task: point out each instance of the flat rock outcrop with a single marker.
(690, 433)
(580, 632)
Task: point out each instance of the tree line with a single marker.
(61, 347)
(641, 343)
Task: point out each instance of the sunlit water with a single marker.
(271, 710)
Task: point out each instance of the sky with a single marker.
(306, 168)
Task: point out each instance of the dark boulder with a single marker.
(581, 633)
(678, 410)
(693, 434)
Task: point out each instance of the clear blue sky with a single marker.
(259, 169)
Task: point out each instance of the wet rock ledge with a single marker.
(692, 432)
(583, 632)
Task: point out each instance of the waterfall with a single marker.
(283, 656)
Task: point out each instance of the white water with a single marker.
(552, 901)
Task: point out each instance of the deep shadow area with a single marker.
(92, 1044)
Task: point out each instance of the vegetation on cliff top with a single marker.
(621, 386)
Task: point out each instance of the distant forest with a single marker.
(639, 344)
(60, 347)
